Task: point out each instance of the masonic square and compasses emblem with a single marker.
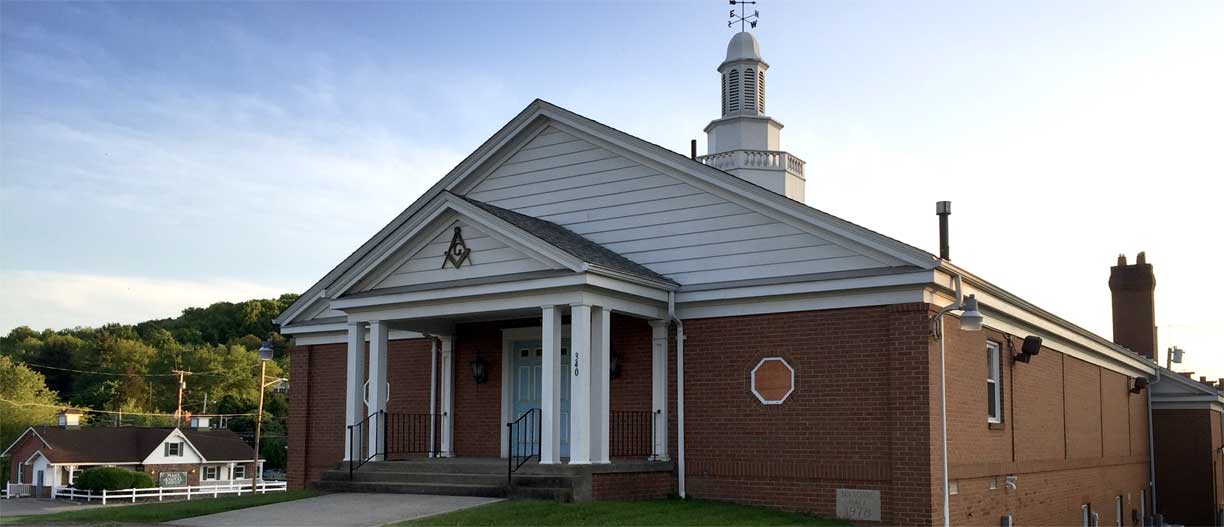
(458, 251)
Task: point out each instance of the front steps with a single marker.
(454, 477)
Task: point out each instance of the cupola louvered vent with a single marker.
(733, 95)
(761, 92)
(750, 93)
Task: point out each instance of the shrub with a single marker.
(112, 478)
(140, 480)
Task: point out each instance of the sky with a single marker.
(155, 156)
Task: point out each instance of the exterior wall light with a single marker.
(480, 370)
(614, 366)
(1140, 384)
(971, 318)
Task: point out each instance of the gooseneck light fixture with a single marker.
(970, 320)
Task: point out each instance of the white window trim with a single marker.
(788, 392)
(235, 472)
(216, 475)
(995, 376)
(178, 448)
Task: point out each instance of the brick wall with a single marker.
(1184, 443)
(316, 411)
(630, 392)
(1071, 432)
(29, 445)
(477, 416)
(844, 426)
(632, 485)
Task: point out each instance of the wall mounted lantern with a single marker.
(1140, 384)
(480, 370)
(614, 366)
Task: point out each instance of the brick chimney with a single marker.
(1134, 305)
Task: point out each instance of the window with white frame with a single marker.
(994, 394)
(239, 472)
(174, 449)
(212, 473)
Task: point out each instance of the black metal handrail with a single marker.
(410, 433)
(631, 434)
(523, 441)
(359, 441)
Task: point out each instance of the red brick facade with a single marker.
(864, 414)
(1071, 433)
(632, 485)
(1187, 454)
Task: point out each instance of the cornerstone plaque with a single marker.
(857, 504)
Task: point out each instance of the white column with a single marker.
(433, 392)
(378, 385)
(601, 382)
(658, 387)
(580, 384)
(354, 385)
(550, 387)
(448, 396)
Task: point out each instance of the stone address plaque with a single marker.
(773, 380)
(856, 504)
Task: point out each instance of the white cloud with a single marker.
(42, 299)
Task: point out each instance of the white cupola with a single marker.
(745, 141)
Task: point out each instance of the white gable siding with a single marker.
(158, 455)
(490, 257)
(674, 228)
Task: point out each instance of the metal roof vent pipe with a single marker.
(943, 209)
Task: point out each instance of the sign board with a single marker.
(172, 479)
(857, 504)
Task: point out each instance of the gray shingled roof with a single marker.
(572, 243)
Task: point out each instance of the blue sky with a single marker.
(159, 155)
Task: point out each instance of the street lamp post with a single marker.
(265, 355)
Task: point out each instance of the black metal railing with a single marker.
(360, 449)
(631, 434)
(523, 441)
(410, 433)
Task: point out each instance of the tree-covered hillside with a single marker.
(130, 369)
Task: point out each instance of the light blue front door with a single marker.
(528, 367)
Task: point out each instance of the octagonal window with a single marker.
(773, 380)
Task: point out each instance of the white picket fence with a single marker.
(161, 493)
(17, 490)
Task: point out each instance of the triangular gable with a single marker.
(157, 455)
(417, 254)
(21, 437)
(714, 226)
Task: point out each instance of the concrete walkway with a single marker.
(357, 510)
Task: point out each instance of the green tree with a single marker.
(26, 401)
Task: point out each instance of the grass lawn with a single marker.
(160, 511)
(653, 512)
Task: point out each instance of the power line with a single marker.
(91, 410)
(212, 372)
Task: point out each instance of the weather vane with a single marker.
(743, 17)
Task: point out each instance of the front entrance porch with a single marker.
(575, 384)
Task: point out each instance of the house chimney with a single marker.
(69, 418)
(1134, 305)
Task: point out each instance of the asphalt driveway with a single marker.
(347, 509)
(31, 506)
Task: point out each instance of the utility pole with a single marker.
(178, 414)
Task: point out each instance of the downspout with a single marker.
(937, 327)
(1151, 440)
(433, 390)
(671, 314)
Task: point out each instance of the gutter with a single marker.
(671, 314)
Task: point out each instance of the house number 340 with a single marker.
(575, 364)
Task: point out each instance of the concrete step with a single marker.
(526, 480)
(444, 489)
